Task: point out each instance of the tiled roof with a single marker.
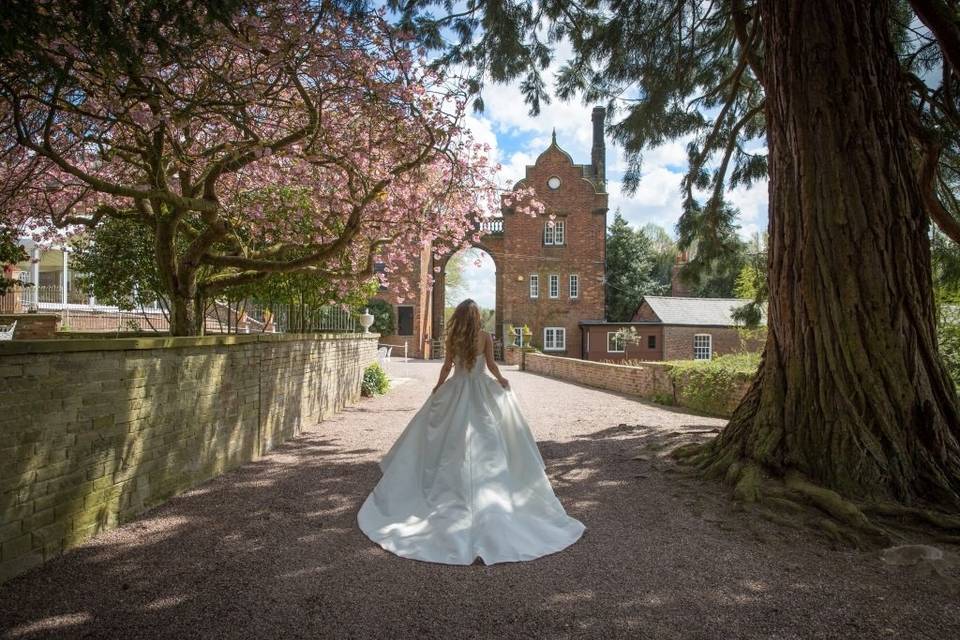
(696, 311)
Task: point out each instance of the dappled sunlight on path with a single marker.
(273, 550)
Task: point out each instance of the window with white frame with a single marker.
(554, 339)
(554, 285)
(702, 346)
(574, 285)
(614, 342)
(553, 232)
(534, 285)
(517, 338)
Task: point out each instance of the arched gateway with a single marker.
(549, 268)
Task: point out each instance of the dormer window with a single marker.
(553, 182)
(554, 233)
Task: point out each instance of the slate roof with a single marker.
(695, 311)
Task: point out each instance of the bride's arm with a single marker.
(444, 370)
(492, 364)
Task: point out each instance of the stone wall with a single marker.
(94, 432)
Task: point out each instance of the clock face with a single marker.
(554, 183)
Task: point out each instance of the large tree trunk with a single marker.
(186, 316)
(851, 392)
(186, 308)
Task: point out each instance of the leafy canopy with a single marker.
(689, 70)
(631, 269)
(252, 138)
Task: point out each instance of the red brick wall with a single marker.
(651, 381)
(678, 341)
(645, 314)
(647, 381)
(583, 212)
(597, 342)
(520, 251)
(417, 274)
(32, 326)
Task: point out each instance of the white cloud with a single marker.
(752, 203)
(479, 279)
(657, 199)
(517, 138)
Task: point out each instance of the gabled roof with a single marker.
(696, 311)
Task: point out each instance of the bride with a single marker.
(465, 478)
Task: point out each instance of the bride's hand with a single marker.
(504, 383)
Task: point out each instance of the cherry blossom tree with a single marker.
(284, 138)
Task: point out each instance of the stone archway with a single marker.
(492, 244)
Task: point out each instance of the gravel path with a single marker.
(272, 550)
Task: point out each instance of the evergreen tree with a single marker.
(630, 269)
(664, 254)
(858, 103)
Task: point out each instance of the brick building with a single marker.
(549, 268)
(550, 277)
(670, 328)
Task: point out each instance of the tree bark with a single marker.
(183, 317)
(181, 287)
(851, 391)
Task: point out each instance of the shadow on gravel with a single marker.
(272, 550)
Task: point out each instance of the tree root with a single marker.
(793, 501)
(926, 516)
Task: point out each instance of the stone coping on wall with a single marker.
(63, 345)
(604, 365)
(17, 316)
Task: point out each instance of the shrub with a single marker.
(375, 381)
(713, 386)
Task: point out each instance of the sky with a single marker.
(516, 139)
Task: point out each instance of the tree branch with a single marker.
(928, 181)
(942, 22)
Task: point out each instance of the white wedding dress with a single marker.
(465, 479)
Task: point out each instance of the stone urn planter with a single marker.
(366, 320)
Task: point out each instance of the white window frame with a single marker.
(554, 339)
(554, 285)
(574, 284)
(534, 285)
(554, 233)
(699, 346)
(518, 336)
(548, 233)
(622, 342)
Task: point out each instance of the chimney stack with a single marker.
(677, 286)
(598, 154)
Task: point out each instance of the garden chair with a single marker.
(6, 331)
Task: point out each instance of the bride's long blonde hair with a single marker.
(463, 333)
